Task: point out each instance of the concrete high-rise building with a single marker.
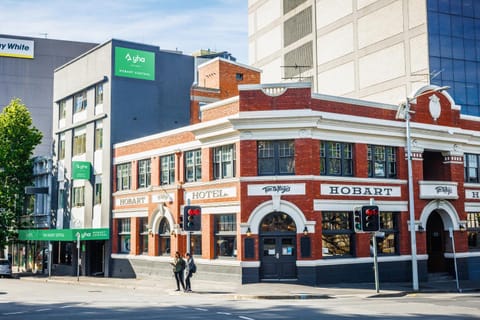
(26, 72)
(379, 50)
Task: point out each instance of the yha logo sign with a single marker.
(134, 59)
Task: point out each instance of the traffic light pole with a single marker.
(189, 243)
(375, 261)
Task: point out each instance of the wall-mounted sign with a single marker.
(355, 190)
(64, 234)
(472, 194)
(211, 194)
(438, 190)
(131, 201)
(162, 197)
(281, 189)
(81, 170)
(137, 64)
(16, 48)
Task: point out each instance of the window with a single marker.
(167, 169)
(143, 236)
(164, 238)
(79, 141)
(193, 165)
(239, 76)
(144, 176)
(224, 162)
(98, 135)
(99, 94)
(124, 172)
(336, 158)
(276, 157)
(124, 235)
(473, 230)
(388, 225)
(225, 235)
(98, 190)
(471, 167)
(78, 196)
(80, 102)
(278, 222)
(61, 147)
(196, 244)
(62, 109)
(337, 234)
(382, 162)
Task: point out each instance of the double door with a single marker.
(278, 257)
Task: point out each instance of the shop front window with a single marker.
(225, 235)
(337, 234)
(473, 230)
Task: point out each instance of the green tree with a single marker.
(18, 139)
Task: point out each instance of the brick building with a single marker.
(278, 171)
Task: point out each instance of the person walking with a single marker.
(189, 270)
(178, 269)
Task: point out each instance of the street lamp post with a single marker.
(411, 199)
(411, 204)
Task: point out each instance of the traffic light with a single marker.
(192, 218)
(357, 219)
(370, 218)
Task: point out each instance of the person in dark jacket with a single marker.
(189, 269)
(178, 269)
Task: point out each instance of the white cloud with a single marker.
(186, 25)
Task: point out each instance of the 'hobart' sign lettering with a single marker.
(131, 201)
(354, 190)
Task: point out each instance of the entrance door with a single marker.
(436, 244)
(278, 257)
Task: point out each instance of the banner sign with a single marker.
(137, 64)
(64, 234)
(16, 48)
(81, 170)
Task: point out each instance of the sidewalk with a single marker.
(266, 290)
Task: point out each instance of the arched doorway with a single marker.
(278, 247)
(436, 243)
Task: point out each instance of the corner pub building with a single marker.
(277, 172)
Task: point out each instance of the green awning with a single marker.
(64, 234)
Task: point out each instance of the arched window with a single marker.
(164, 238)
(278, 222)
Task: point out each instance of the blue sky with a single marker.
(186, 25)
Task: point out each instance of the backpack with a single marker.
(194, 268)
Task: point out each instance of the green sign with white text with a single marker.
(137, 64)
(64, 234)
(81, 170)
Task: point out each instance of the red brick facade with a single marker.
(291, 113)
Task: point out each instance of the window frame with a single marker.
(467, 159)
(272, 154)
(193, 165)
(80, 102)
(224, 157)
(79, 145)
(78, 196)
(124, 176)
(388, 164)
(144, 173)
(225, 230)
(328, 162)
(167, 169)
(473, 231)
(345, 231)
